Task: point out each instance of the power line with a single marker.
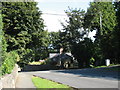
(54, 14)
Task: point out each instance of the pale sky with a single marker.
(51, 7)
(58, 7)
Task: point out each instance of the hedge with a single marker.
(7, 59)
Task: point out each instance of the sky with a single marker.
(54, 11)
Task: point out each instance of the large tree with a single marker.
(101, 17)
(7, 60)
(83, 52)
(23, 28)
(74, 36)
(116, 33)
(73, 30)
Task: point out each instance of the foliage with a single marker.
(9, 62)
(83, 52)
(53, 40)
(106, 11)
(40, 62)
(73, 30)
(7, 59)
(43, 83)
(1, 36)
(24, 30)
(98, 55)
(42, 51)
(101, 17)
(92, 61)
(75, 35)
(116, 37)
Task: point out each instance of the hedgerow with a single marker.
(9, 62)
(7, 59)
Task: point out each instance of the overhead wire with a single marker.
(54, 14)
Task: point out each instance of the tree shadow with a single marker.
(108, 73)
(105, 72)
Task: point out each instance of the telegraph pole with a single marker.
(100, 23)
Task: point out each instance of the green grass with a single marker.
(100, 66)
(44, 83)
(112, 68)
(106, 66)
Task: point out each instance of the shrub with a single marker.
(1, 36)
(7, 59)
(9, 62)
(26, 56)
(47, 61)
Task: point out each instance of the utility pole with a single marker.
(100, 23)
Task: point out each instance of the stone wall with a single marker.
(8, 80)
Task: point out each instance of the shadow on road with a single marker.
(109, 72)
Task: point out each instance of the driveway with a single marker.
(82, 78)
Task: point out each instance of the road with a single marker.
(81, 78)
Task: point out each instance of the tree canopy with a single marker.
(24, 29)
(23, 37)
(100, 16)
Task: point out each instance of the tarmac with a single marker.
(24, 80)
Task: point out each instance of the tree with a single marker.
(1, 37)
(75, 35)
(83, 52)
(41, 51)
(54, 41)
(116, 33)
(3, 44)
(23, 28)
(103, 10)
(7, 60)
(73, 31)
(101, 17)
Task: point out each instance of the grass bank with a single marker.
(111, 67)
(44, 83)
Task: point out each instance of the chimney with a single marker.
(61, 50)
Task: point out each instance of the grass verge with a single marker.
(116, 68)
(107, 66)
(44, 83)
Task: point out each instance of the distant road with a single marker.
(82, 78)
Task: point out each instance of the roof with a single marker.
(55, 54)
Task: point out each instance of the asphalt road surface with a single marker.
(82, 78)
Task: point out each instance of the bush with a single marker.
(26, 56)
(9, 62)
(7, 59)
(48, 61)
(1, 36)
